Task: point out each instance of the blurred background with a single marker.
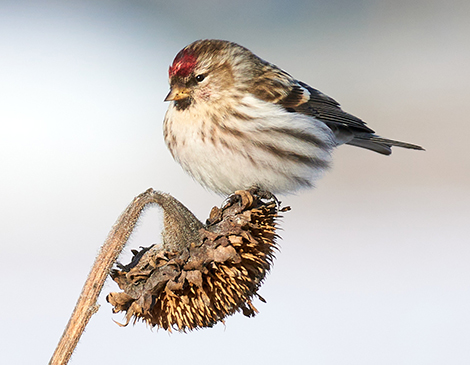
(374, 263)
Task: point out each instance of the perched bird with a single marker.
(236, 121)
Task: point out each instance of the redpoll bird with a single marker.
(236, 121)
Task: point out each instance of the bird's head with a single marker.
(207, 71)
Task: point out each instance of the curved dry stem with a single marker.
(175, 215)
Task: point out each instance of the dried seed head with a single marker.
(213, 275)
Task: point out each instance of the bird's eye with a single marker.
(200, 78)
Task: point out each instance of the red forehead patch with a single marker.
(184, 63)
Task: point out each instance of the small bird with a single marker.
(236, 122)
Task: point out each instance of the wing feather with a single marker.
(276, 86)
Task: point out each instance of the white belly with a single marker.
(275, 150)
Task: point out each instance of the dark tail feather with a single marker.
(379, 144)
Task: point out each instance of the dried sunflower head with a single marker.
(198, 280)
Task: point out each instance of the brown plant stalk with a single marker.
(87, 302)
(198, 276)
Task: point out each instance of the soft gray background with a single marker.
(374, 266)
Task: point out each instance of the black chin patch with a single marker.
(183, 104)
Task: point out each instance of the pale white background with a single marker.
(374, 263)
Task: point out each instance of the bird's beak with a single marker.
(178, 93)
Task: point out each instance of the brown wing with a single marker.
(295, 96)
(328, 110)
(347, 128)
(277, 86)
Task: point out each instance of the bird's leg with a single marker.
(246, 197)
(263, 194)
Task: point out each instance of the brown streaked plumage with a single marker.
(247, 122)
